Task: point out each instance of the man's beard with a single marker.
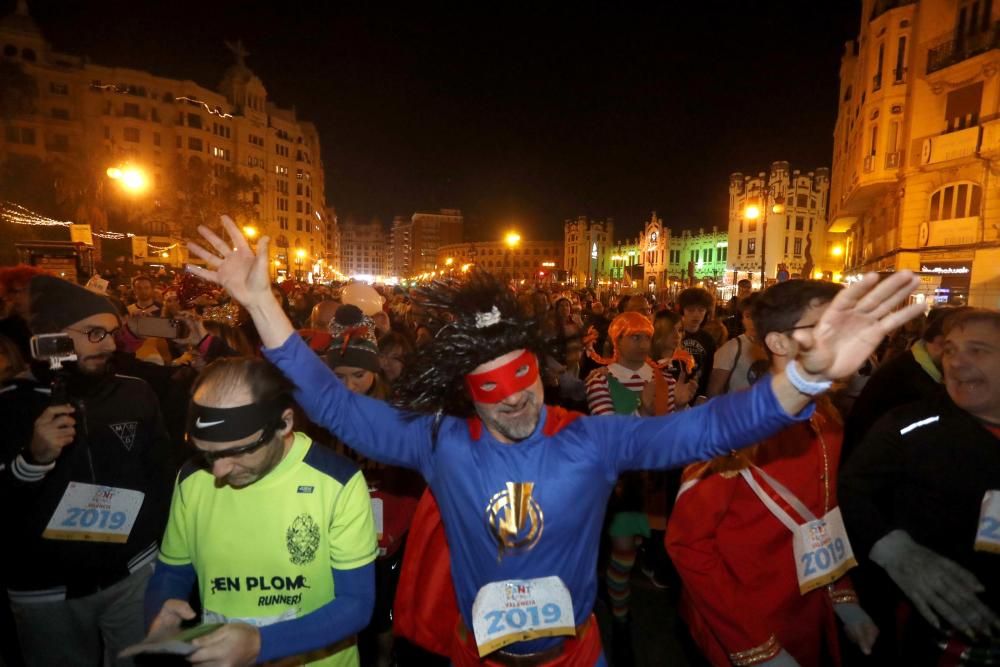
(97, 365)
(516, 428)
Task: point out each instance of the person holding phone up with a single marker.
(87, 486)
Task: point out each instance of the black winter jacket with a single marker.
(121, 442)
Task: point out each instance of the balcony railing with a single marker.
(954, 50)
(869, 163)
(892, 160)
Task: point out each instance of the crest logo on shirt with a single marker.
(302, 539)
(515, 518)
(125, 432)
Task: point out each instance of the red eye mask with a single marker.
(505, 378)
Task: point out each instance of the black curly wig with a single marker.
(434, 378)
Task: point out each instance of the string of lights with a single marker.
(125, 89)
(19, 215)
(212, 110)
(167, 248)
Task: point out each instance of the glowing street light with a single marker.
(250, 231)
(449, 261)
(300, 254)
(511, 239)
(752, 212)
(132, 178)
(837, 250)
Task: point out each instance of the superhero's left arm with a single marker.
(725, 423)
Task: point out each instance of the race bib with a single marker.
(822, 551)
(988, 534)
(94, 513)
(512, 611)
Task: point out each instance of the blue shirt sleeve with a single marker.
(367, 425)
(345, 615)
(169, 582)
(725, 423)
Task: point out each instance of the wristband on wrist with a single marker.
(807, 387)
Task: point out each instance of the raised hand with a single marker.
(855, 323)
(244, 275)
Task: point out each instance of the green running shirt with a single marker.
(263, 553)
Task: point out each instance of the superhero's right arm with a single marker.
(369, 426)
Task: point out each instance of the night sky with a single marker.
(522, 117)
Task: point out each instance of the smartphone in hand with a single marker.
(158, 327)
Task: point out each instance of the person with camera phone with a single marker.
(84, 461)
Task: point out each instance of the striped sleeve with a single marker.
(598, 394)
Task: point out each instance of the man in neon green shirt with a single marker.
(277, 531)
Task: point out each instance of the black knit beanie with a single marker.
(58, 303)
(353, 341)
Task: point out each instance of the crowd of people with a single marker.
(461, 472)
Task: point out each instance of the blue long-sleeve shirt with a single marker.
(345, 615)
(573, 471)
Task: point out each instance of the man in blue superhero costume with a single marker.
(522, 505)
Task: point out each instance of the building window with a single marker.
(156, 138)
(799, 223)
(256, 197)
(962, 108)
(877, 82)
(58, 88)
(874, 141)
(131, 110)
(797, 251)
(786, 245)
(960, 200)
(899, 73)
(194, 144)
(752, 246)
(60, 114)
(131, 134)
(802, 201)
(194, 120)
(20, 135)
(58, 143)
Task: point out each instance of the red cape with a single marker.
(426, 610)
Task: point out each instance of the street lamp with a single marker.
(131, 178)
(511, 239)
(754, 212)
(250, 232)
(300, 255)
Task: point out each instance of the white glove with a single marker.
(783, 659)
(858, 625)
(937, 586)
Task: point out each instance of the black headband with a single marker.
(231, 424)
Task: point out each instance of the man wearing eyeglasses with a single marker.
(88, 487)
(277, 532)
